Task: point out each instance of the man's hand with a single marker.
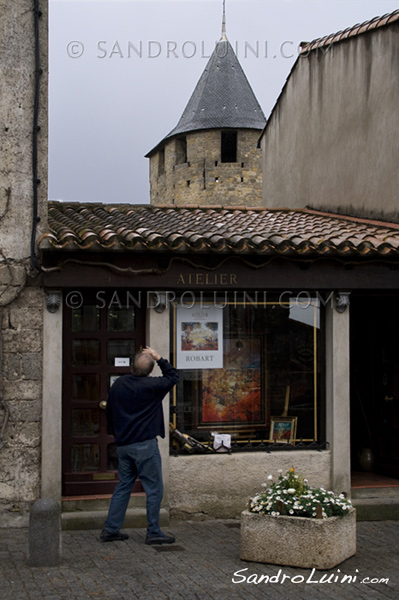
(154, 355)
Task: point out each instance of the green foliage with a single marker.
(292, 496)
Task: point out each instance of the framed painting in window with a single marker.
(234, 396)
(283, 429)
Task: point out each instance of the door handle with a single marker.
(103, 404)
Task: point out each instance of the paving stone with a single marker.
(202, 570)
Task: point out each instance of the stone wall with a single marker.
(17, 93)
(203, 179)
(220, 486)
(21, 333)
(331, 142)
(21, 297)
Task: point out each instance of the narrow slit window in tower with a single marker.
(181, 150)
(229, 146)
(161, 162)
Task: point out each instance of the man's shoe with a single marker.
(107, 536)
(160, 538)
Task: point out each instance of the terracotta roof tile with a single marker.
(138, 228)
(353, 31)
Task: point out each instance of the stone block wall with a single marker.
(17, 93)
(204, 180)
(220, 486)
(21, 298)
(22, 346)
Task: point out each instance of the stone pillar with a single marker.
(157, 337)
(338, 396)
(45, 534)
(52, 397)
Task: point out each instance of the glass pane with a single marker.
(86, 387)
(112, 458)
(271, 368)
(85, 457)
(120, 319)
(86, 318)
(85, 422)
(85, 353)
(120, 349)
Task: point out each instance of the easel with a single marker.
(287, 401)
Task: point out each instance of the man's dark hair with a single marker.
(143, 364)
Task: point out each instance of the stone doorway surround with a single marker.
(52, 401)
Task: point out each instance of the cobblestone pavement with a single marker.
(201, 565)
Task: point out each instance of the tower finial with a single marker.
(224, 36)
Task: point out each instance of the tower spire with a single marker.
(224, 36)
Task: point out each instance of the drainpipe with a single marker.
(3, 403)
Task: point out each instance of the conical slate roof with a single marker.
(223, 97)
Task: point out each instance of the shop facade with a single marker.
(258, 325)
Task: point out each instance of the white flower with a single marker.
(280, 471)
(291, 491)
(270, 477)
(263, 485)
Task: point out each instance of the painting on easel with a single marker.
(283, 428)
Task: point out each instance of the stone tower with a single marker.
(211, 156)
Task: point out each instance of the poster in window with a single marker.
(235, 395)
(199, 338)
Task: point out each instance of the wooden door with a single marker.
(100, 340)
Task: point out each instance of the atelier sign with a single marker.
(207, 279)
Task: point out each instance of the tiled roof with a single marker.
(138, 228)
(355, 30)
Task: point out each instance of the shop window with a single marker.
(229, 146)
(249, 368)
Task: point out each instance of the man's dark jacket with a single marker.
(134, 407)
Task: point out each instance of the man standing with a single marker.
(135, 418)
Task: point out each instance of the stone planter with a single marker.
(298, 541)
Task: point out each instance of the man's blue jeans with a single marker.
(142, 459)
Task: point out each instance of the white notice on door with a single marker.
(121, 362)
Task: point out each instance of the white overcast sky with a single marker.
(122, 72)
